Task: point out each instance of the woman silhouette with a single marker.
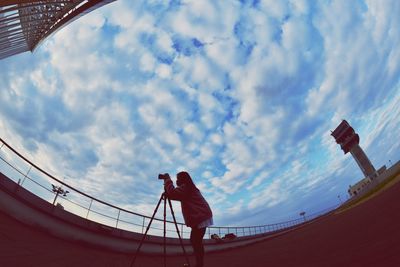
(195, 209)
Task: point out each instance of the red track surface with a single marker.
(366, 235)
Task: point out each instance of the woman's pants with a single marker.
(196, 238)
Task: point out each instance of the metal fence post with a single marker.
(91, 201)
(119, 211)
(26, 175)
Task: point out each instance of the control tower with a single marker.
(24, 24)
(349, 142)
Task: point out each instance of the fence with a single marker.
(41, 183)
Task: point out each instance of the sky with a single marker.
(241, 94)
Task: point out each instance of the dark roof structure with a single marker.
(24, 24)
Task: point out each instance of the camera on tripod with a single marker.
(165, 199)
(163, 176)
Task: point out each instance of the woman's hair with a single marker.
(185, 178)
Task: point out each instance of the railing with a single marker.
(31, 177)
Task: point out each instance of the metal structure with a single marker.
(31, 177)
(24, 24)
(348, 140)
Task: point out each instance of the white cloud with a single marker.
(164, 71)
(216, 139)
(132, 24)
(193, 131)
(197, 19)
(222, 52)
(258, 180)
(300, 7)
(45, 84)
(271, 196)
(274, 9)
(232, 180)
(147, 62)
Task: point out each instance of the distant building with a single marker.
(355, 190)
(363, 184)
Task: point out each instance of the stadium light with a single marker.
(58, 190)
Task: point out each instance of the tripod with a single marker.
(165, 198)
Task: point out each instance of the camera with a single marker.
(162, 176)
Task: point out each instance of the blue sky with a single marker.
(241, 94)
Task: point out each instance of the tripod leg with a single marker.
(177, 230)
(165, 225)
(147, 229)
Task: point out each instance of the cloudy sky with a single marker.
(241, 94)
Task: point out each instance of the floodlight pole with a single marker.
(58, 190)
